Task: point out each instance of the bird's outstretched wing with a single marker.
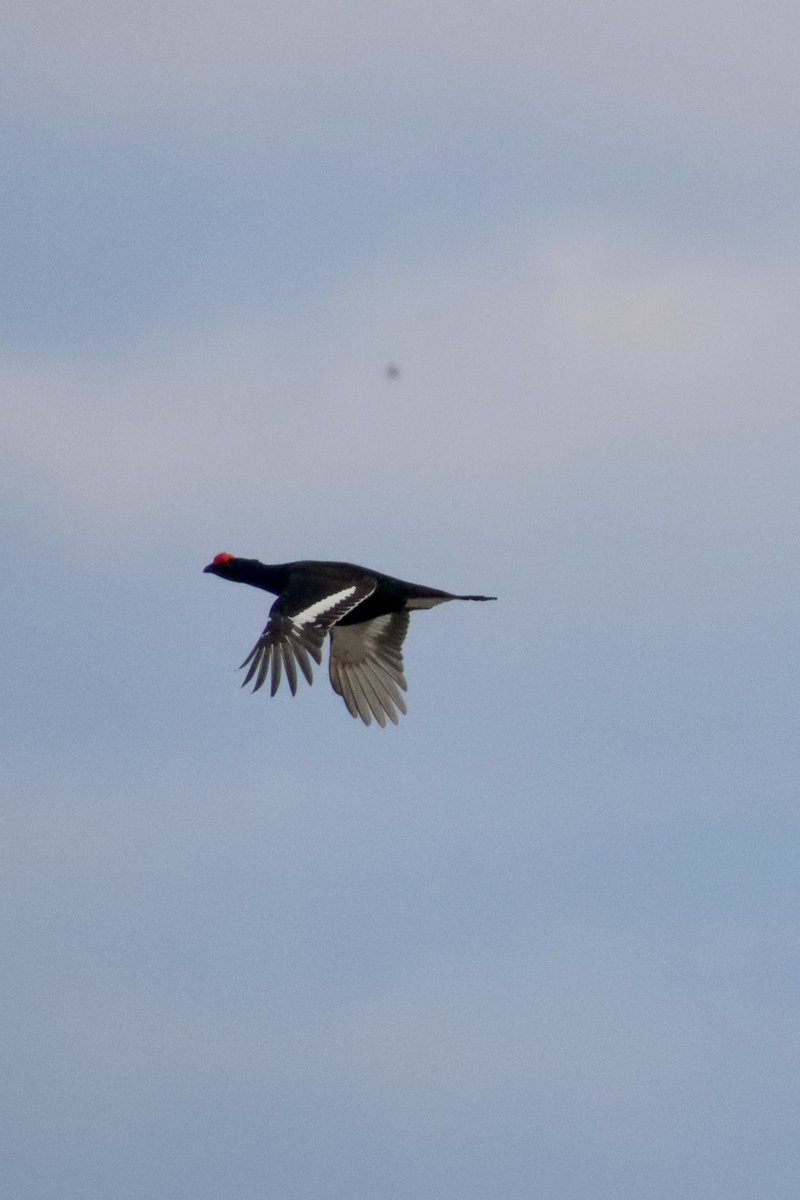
(298, 622)
(366, 667)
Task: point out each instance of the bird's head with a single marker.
(223, 565)
(242, 570)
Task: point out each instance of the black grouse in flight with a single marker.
(365, 612)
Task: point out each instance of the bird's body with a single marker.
(365, 612)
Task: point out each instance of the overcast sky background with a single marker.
(542, 938)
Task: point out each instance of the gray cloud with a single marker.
(524, 363)
(714, 70)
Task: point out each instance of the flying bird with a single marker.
(365, 612)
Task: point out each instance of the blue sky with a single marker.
(541, 939)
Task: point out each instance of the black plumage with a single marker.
(365, 612)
